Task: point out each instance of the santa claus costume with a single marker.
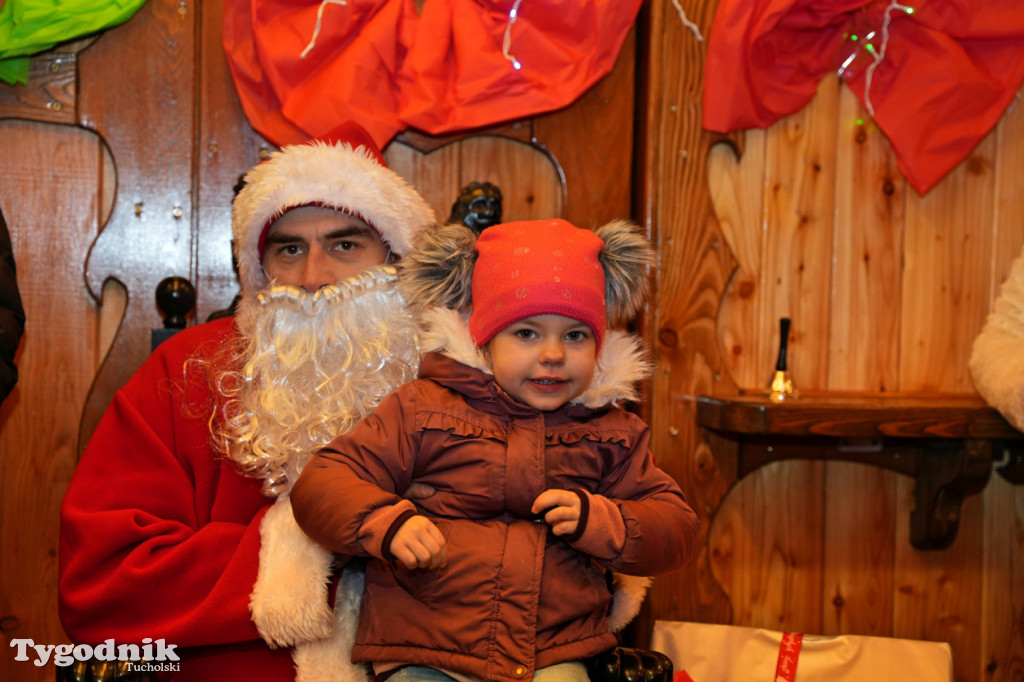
(177, 524)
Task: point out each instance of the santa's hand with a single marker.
(561, 510)
(419, 544)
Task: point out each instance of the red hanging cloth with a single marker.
(378, 63)
(939, 83)
(299, 78)
(461, 73)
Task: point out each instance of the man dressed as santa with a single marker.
(177, 524)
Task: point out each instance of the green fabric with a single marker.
(28, 27)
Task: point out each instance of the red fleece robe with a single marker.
(170, 551)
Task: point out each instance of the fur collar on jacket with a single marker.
(621, 364)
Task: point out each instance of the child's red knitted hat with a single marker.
(537, 267)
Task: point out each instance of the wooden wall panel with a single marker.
(859, 539)
(529, 181)
(737, 191)
(137, 91)
(48, 195)
(907, 283)
(867, 245)
(695, 266)
(1002, 599)
(938, 593)
(225, 146)
(1008, 221)
(863, 351)
(945, 289)
(799, 203)
(770, 564)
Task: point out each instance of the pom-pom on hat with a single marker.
(344, 171)
(542, 267)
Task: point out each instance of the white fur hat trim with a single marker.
(323, 174)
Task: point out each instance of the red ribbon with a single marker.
(789, 652)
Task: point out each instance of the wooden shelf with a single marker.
(948, 443)
(856, 415)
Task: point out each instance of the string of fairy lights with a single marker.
(877, 54)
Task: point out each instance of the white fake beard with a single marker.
(315, 366)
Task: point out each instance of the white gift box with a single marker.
(704, 652)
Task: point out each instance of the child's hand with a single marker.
(563, 510)
(419, 544)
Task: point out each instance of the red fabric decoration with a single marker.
(348, 73)
(378, 63)
(458, 77)
(949, 71)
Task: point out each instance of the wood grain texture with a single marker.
(938, 593)
(1008, 237)
(947, 242)
(1002, 601)
(863, 354)
(225, 146)
(770, 564)
(907, 284)
(150, 232)
(52, 217)
(50, 93)
(867, 256)
(800, 205)
(694, 268)
(737, 191)
(859, 540)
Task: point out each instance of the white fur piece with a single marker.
(629, 595)
(621, 365)
(997, 356)
(334, 175)
(289, 600)
(329, 660)
(447, 330)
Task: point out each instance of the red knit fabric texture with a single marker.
(537, 267)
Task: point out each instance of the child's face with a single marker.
(544, 361)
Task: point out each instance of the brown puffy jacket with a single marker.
(513, 596)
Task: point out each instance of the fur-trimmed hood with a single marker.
(622, 362)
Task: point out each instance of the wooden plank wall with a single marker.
(886, 289)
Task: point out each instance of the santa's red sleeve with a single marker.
(159, 535)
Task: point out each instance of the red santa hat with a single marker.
(343, 171)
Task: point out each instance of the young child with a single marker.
(544, 482)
